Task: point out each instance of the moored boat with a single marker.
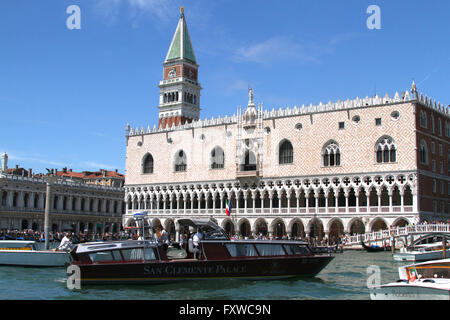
(25, 253)
(430, 247)
(216, 256)
(422, 281)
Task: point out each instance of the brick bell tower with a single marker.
(179, 94)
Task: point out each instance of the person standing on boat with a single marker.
(164, 238)
(198, 236)
(66, 243)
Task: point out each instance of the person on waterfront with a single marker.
(66, 243)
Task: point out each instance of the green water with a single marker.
(344, 278)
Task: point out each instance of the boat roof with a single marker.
(111, 245)
(203, 223)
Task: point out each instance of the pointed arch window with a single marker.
(331, 154)
(423, 119)
(217, 158)
(385, 150)
(423, 152)
(180, 161)
(286, 153)
(147, 163)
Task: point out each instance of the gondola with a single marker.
(375, 248)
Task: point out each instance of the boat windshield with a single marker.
(431, 271)
(215, 235)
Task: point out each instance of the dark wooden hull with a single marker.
(182, 270)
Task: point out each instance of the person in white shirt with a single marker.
(164, 236)
(198, 236)
(66, 243)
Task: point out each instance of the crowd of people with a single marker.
(161, 236)
(39, 236)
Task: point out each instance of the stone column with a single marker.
(357, 199)
(297, 196)
(20, 199)
(47, 218)
(402, 199)
(288, 199)
(254, 200)
(178, 196)
(271, 200)
(164, 199)
(336, 198)
(307, 201)
(316, 197)
(379, 199)
(346, 194)
(280, 194)
(390, 193)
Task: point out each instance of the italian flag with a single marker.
(413, 275)
(228, 207)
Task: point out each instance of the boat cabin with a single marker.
(214, 245)
(427, 270)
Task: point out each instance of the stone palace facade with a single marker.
(319, 170)
(76, 205)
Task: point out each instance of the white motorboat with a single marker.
(426, 248)
(425, 252)
(25, 253)
(422, 281)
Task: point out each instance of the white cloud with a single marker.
(273, 49)
(282, 48)
(31, 159)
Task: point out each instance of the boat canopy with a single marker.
(210, 228)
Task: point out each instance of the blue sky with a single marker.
(67, 95)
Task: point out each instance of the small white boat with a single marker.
(428, 247)
(422, 281)
(424, 252)
(25, 253)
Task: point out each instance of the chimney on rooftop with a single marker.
(30, 172)
(65, 170)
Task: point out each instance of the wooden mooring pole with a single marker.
(392, 243)
(444, 245)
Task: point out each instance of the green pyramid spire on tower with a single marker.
(181, 46)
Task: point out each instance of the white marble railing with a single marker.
(282, 211)
(397, 232)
